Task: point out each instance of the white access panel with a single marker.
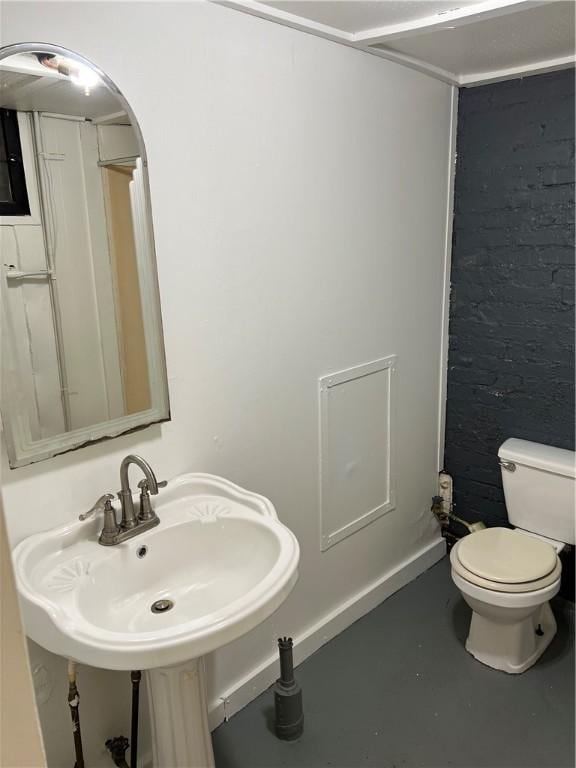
(356, 448)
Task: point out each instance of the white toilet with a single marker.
(508, 576)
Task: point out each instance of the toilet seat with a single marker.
(508, 556)
(504, 560)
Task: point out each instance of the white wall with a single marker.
(21, 742)
(299, 192)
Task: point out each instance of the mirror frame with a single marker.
(22, 450)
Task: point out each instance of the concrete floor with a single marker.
(398, 690)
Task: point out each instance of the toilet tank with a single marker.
(540, 488)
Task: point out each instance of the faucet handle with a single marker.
(102, 504)
(145, 486)
(146, 511)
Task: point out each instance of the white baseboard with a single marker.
(331, 624)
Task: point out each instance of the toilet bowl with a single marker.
(512, 623)
(508, 576)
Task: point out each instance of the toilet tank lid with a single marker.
(558, 461)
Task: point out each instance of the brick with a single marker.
(564, 275)
(545, 153)
(568, 296)
(557, 176)
(556, 254)
(472, 376)
(546, 236)
(506, 291)
(559, 127)
(511, 329)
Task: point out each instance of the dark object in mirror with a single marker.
(13, 194)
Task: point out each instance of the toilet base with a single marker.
(512, 646)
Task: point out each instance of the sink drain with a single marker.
(161, 606)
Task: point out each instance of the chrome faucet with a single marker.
(131, 523)
(129, 519)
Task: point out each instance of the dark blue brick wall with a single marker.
(511, 356)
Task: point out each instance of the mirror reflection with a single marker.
(82, 340)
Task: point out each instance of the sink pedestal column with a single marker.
(179, 716)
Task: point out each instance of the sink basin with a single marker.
(218, 564)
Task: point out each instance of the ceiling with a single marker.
(362, 15)
(26, 85)
(464, 42)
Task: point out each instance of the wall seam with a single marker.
(444, 343)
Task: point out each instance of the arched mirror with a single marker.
(82, 347)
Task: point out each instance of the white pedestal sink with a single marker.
(179, 715)
(218, 564)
